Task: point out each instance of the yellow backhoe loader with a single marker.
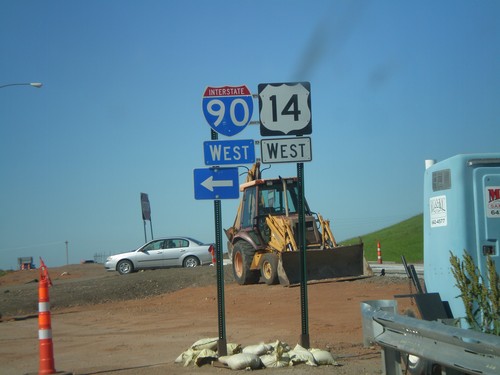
(263, 240)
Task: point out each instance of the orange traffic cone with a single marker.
(44, 323)
(379, 253)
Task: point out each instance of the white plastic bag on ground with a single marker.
(242, 361)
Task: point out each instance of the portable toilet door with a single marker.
(461, 213)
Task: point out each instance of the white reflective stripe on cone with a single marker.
(44, 334)
(43, 306)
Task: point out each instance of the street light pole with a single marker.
(32, 84)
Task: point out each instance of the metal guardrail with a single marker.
(458, 350)
(395, 269)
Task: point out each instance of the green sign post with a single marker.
(221, 313)
(304, 337)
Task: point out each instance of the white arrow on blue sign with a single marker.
(216, 183)
(224, 152)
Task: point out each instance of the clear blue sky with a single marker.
(392, 83)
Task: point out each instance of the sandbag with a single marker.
(205, 356)
(201, 352)
(186, 357)
(301, 355)
(283, 346)
(233, 348)
(242, 361)
(223, 359)
(274, 355)
(259, 349)
(208, 343)
(275, 361)
(323, 357)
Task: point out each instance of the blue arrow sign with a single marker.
(241, 151)
(216, 183)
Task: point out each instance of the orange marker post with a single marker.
(44, 323)
(379, 253)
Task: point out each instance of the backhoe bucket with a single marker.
(342, 261)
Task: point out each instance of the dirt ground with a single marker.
(104, 323)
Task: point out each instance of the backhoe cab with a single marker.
(263, 242)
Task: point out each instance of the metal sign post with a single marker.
(304, 337)
(285, 109)
(228, 110)
(222, 343)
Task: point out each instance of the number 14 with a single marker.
(291, 108)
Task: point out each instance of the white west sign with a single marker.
(286, 150)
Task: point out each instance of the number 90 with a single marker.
(239, 112)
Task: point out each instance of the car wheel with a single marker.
(124, 266)
(269, 269)
(191, 262)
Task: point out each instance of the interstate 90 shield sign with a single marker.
(227, 109)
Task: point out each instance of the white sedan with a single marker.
(162, 253)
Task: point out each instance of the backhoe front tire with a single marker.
(243, 254)
(269, 269)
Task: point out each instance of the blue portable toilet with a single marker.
(461, 212)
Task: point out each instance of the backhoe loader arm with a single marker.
(327, 237)
(252, 175)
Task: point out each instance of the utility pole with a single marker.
(67, 261)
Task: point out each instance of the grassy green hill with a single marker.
(405, 238)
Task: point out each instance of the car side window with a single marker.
(156, 245)
(179, 242)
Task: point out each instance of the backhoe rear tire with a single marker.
(269, 269)
(243, 254)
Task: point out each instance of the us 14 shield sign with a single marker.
(285, 108)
